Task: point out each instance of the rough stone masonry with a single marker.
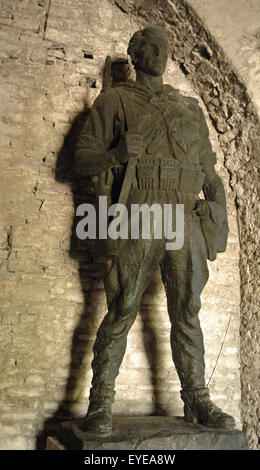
(52, 299)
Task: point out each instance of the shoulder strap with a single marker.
(131, 122)
(131, 126)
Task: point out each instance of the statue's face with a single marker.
(152, 56)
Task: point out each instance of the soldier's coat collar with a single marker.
(167, 92)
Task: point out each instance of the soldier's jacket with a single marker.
(176, 151)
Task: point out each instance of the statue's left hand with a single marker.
(202, 208)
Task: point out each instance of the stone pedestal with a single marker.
(147, 433)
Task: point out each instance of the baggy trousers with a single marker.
(184, 274)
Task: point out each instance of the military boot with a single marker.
(99, 415)
(99, 418)
(199, 409)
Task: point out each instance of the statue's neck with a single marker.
(154, 84)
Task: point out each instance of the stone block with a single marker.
(150, 433)
(53, 444)
(16, 443)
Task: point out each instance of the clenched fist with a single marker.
(130, 145)
(202, 208)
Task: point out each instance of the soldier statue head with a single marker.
(148, 49)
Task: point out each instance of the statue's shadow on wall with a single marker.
(90, 275)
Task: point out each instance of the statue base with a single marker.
(146, 433)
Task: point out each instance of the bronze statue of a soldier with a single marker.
(147, 143)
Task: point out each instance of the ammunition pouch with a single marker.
(167, 174)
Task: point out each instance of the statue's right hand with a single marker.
(130, 145)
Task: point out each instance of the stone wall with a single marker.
(52, 298)
(236, 27)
